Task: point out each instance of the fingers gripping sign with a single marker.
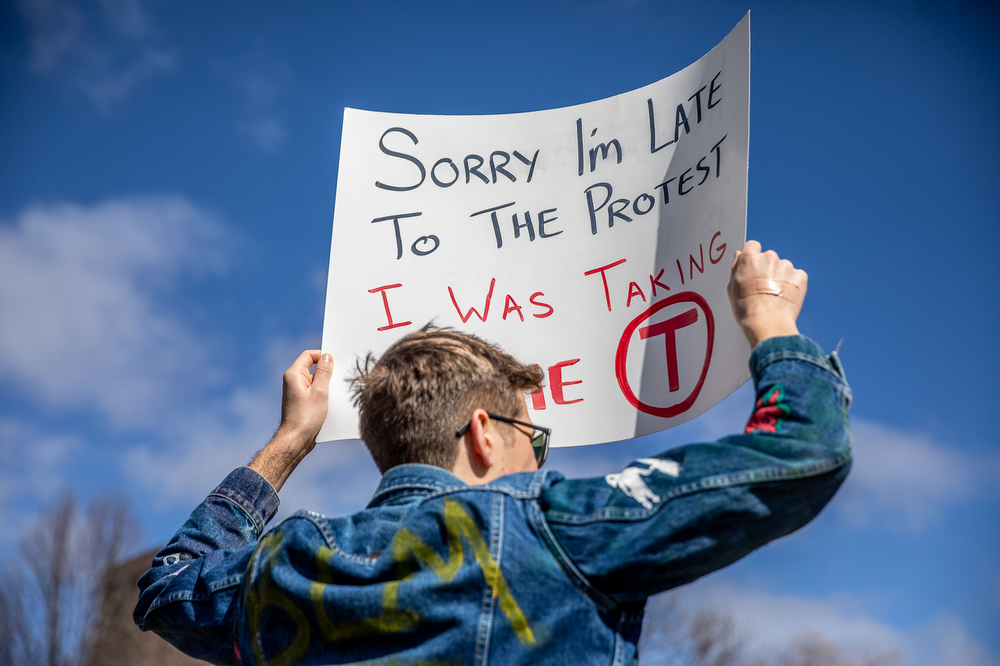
(304, 399)
(766, 293)
(304, 404)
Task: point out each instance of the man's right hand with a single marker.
(305, 395)
(766, 293)
(304, 403)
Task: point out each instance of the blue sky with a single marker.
(167, 180)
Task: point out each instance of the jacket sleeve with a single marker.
(189, 595)
(667, 520)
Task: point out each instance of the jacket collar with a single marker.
(413, 479)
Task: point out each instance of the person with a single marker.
(469, 554)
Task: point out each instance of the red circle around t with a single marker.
(622, 356)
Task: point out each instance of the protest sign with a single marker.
(594, 240)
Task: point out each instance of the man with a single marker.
(467, 554)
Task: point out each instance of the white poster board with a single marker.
(595, 240)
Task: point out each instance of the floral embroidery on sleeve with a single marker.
(770, 412)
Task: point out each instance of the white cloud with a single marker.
(86, 326)
(770, 621)
(261, 82)
(947, 640)
(190, 456)
(35, 464)
(902, 480)
(82, 321)
(199, 451)
(103, 50)
(267, 132)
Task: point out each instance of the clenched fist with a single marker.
(766, 293)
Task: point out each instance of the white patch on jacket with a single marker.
(630, 480)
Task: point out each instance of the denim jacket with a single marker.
(532, 568)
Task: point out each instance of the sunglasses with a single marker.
(539, 436)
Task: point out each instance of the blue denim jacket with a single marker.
(533, 568)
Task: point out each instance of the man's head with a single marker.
(426, 386)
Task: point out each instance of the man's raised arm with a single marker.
(304, 403)
(668, 519)
(190, 593)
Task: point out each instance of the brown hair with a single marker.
(426, 386)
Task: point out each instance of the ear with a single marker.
(481, 441)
